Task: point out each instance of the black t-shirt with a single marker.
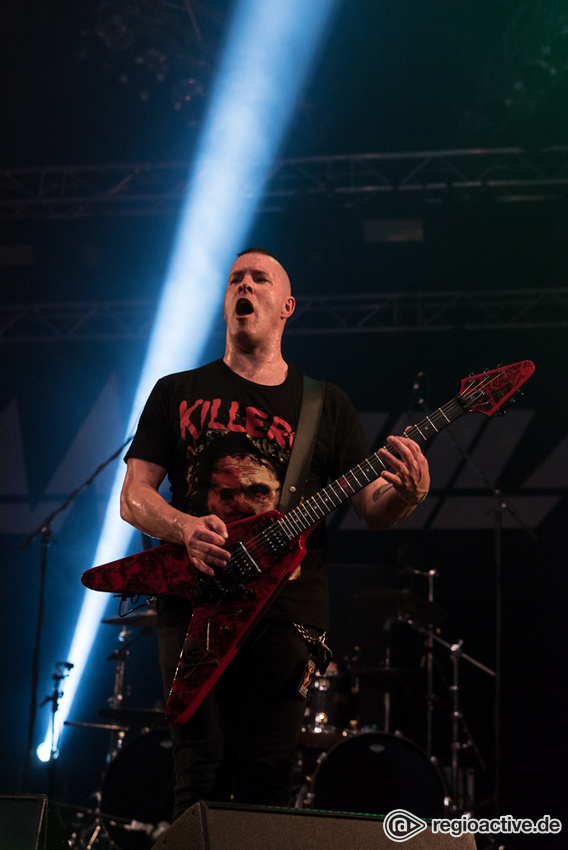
(225, 442)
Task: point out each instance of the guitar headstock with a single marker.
(487, 392)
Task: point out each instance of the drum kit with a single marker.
(354, 754)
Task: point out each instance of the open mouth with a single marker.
(244, 307)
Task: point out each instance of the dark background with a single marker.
(391, 77)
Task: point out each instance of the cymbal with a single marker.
(395, 604)
(135, 716)
(145, 617)
(107, 726)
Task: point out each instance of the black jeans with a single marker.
(240, 744)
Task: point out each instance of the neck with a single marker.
(268, 368)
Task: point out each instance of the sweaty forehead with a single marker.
(260, 262)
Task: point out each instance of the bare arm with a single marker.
(395, 494)
(143, 507)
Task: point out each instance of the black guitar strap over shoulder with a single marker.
(304, 443)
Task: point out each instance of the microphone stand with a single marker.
(53, 698)
(502, 505)
(44, 529)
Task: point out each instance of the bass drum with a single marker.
(374, 773)
(139, 786)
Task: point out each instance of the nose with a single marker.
(246, 284)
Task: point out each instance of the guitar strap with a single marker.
(304, 443)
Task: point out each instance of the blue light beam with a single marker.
(270, 47)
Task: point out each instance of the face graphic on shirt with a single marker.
(242, 485)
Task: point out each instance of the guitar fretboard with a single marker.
(312, 510)
(483, 393)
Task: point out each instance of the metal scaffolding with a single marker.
(504, 174)
(327, 314)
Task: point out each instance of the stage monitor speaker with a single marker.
(29, 823)
(220, 826)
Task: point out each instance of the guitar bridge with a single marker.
(195, 656)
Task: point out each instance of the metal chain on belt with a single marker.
(303, 632)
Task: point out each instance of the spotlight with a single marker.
(270, 47)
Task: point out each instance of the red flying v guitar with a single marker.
(265, 551)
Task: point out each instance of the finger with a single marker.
(217, 557)
(210, 553)
(202, 567)
(406, 447)
(392, 460)
(212, 543)
(394, 480)
(216, 525)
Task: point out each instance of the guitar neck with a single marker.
(318, 506)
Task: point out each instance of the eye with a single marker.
(226, 494)
(258, 491)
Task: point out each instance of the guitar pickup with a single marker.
(241, 569)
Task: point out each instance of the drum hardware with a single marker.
(135, 618)
(459, 784)
(120, 657)
(454, 781)
(431, 697)
(94, 828)
(387, 676)
(113, 823)
(385, 690)
(133, 806)
(458, 722)
(402, 606)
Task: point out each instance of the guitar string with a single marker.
(315, 508)
(369, 463)
(294, 523)
(318, 506)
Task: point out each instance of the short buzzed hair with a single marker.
(257, 250)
